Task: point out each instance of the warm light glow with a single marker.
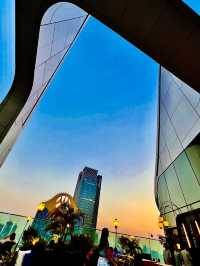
(35, 240)
(178, 246)
(188, 241)
(162, 222)
(196, 223)
(41, 206)
(29, 218)
(116, 223)
(68, 225)
(165, 223)
(55, 238)
(129, 222)
(132, 214)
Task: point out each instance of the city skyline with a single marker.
(112, 107)
(107, 108)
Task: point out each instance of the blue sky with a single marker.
(99, 111)
(7, 45)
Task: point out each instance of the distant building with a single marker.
(47, 208)
(86, 195)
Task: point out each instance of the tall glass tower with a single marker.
(87, 193)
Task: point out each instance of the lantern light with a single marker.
(165, 223)
(116, 223)
(29, 218)
(41, 206)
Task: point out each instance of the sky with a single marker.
(100, 111)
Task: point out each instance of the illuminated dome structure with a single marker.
(47, 210)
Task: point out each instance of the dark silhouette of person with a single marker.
(106, 253)
(7, 246)
(103, 244)
(100, 251)
(167, 254)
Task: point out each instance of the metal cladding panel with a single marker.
(179, 118)
(58, 30)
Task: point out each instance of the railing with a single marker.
(12, 223)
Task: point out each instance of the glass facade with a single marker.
(87, 195)
(178, 188)
(11, 223)
(179, 118)
(177, 182)
(58, 30)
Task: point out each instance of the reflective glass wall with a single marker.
(178, 188)
(11, 223)
(179, 118)
(87, 195)
(177, 181)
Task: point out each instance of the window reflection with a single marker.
(187, 179)
(170, 217)
(178, 189)
(175, 192)
(163, 195)
(193, 153)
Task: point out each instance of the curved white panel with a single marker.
(59, 28)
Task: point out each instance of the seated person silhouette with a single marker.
(6, 246)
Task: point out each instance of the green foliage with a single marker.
(40, 246)
(81, 243)
(62, 220)
(27, 238)
(130, 245)
(9, 259)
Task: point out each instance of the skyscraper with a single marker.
(87, 194)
